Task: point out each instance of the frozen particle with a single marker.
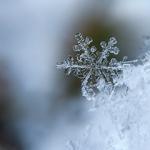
(91, 65)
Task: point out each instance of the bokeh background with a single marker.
(40, 107)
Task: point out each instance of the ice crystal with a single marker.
(96, 69)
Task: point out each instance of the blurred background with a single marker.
(40, 107)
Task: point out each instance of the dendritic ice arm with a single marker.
(93, 65)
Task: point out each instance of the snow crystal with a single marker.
(93, 65)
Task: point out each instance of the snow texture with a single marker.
(121, 120)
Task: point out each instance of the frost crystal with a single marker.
(94, 67)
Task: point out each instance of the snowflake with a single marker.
(96, 68)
